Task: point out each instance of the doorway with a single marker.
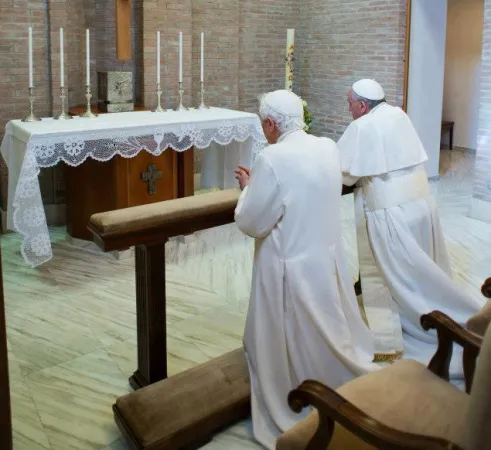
(441, 80)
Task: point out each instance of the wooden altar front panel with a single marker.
(95, 186)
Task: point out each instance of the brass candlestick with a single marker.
(181, 107)
(31, 117)
(88, 114)
(202, 104)
(63, 115)
(159, 94)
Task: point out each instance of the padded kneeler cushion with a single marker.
(187, 408)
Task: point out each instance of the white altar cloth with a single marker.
(233, 137)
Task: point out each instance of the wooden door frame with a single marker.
(406, 55)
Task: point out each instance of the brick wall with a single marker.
(169, 18)
(340, 41)
(263, 26)
(219, 20)
(15, 17)
(481, 204)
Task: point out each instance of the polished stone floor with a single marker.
(71, 322)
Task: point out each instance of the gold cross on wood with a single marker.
(123, 29)
(151, 177)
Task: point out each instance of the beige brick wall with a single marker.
(340, 41)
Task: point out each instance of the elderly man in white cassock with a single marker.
(404, 266)
(303, 320)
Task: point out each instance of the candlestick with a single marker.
(181, 107)
(202, 57)
(31, 117)
(180, 56)
(88, 114)
(158, 57)
(202, 104)
(159, 94)
(31, 66)
(87, 53)
(62, 59)
(290, 57)
(63, 115)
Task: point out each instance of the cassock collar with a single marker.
(288, 134)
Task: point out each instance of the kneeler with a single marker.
(185, 410)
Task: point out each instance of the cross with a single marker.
(151, 177)
(123, 29)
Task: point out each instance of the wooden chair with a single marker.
(479, 322)
(403, 406)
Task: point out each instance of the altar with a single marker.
(163, 172)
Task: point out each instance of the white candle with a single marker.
(62, 59)
(290, 41)
(158, 56)
(87, 52)
(202, 56)
(31, 69)
(180, 56)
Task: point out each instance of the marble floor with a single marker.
(71, 322)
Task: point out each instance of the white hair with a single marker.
(284, 122)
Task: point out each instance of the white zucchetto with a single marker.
(284, 102)
(369, 89)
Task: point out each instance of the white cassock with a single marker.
(303, 320)
(404, 266)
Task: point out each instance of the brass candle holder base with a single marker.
(159, 95)
(63, 115)
(88, 114)
(202, 104)
(31, 117)
(180, 107)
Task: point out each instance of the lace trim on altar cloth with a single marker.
(48, 150)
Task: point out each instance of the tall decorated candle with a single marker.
(290, 52)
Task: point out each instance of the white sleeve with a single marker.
(260, 205)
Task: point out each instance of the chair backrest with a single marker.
(479, 415)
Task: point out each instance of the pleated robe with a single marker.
(303, 320)
(404, 265)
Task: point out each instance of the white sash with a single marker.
(380, 308)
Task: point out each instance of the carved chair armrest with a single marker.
(333, 408)
(450, 332)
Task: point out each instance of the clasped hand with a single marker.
(242, 175)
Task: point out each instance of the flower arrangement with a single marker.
(307, 116)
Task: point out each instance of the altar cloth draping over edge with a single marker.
(28, 147)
